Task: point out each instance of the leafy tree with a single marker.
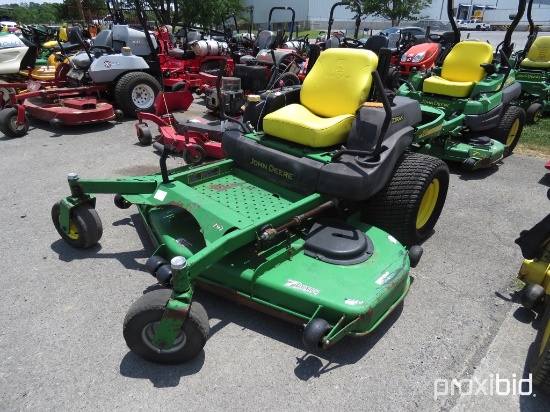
(395, 10)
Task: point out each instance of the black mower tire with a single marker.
(540, 354)
(409, 206)
(136, 91)
(8, 123)
(533, 113)
(178, 86)
(532, 295)
(144, 134)
(194, 160)
(120, 202)
(86, 227)
(313, 334)
(288, 79)
(508, 130)
(139, 328)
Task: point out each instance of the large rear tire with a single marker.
(143, 318)
(540, 354)
(136, 91)
(409, 206)
(509, 129)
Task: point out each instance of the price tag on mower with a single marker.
(33, 86)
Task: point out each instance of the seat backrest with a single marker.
(193, 36)
(75, 35)
(63, 34)
(334, 41)
(339, 82)
(462, 64)
(540, 50)
(266, 39)
(376, 42)
(104, 38)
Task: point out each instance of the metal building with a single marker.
(314, 14)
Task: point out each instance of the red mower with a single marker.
(423, 56)
(199, 137)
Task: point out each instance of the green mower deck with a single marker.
(217, 217)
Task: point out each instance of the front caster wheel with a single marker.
(120, 202)
(145, 136)
(197, 159)
(85, 227)
(532, 295)
(314, 333)
(8, 123)
(142, 321)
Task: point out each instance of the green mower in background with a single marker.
(477, 92)
(532, 66)
(317, 219)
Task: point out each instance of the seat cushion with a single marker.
(299, 125)
(462, 64)
(538, 56)
(339, 82)
(438, 85)
(461, 69)
(336, 87)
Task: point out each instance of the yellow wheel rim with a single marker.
(545, 337)
(428, 203)
(73, 231)
(513, 133)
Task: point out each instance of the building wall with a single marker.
(314, 14)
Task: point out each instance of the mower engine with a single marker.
(231, 97)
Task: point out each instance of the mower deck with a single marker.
(353, 293)
(70, 111)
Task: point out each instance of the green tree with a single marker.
(395, 10)
(206, 13)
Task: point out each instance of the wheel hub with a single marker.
(427, 206)
(143, 96)
(148, 334)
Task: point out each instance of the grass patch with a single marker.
(535, 139)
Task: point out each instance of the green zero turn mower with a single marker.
(316, 219)
(477, 92)
(532, 66)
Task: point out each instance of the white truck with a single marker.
(474, 24)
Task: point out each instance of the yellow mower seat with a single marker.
(336, 87)
(461, 70)
(539, 54)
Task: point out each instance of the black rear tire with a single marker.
(288, 79)
(540, 354)
(509, 129)
(142, 319)
(409, 206)
(136, 91)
